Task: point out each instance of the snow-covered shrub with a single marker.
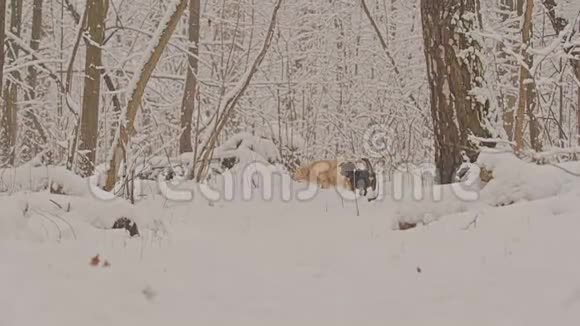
(243, 149)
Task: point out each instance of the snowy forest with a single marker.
(110, 109)
(89, 84)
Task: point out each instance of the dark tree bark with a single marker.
(89, 119)
(34, 136)
(2, 38)
(454, 72)
(189, 96)
(35, 35)
(9, 125)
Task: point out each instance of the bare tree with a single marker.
(454, 72)
(9, 125)
(384, 45)
(190, 92)
(2, 38)
(137, 88)
(527, 94)
(34, 133)
(507, 69)
(559, 24)
(89, 119)
(35, 36)
(230, 99)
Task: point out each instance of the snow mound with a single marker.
(515, 180)
(37, 179)
(44, 217)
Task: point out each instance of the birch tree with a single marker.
(454, 73)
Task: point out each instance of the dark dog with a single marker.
(360, 175)
(353, 175)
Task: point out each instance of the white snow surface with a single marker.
(30, 178)
(315, 262)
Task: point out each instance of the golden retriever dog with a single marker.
(324, 173)
(358, 176)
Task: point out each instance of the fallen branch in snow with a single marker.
(56, 204)
(473, 222)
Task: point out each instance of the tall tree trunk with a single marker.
(577, 73)
(9, 123)
(138, 83)
(508, 71)
(34, 135)
(35, 35)
(527, 94)
(454, 71)
(89, 119)
(2, 38)
(190, 92)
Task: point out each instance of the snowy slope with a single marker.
(288, 263)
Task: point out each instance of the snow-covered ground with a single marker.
(299, 263)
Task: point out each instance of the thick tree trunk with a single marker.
(9, 123)
(89, 119)
(138, 84)
(190, 92)
(454, 71)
